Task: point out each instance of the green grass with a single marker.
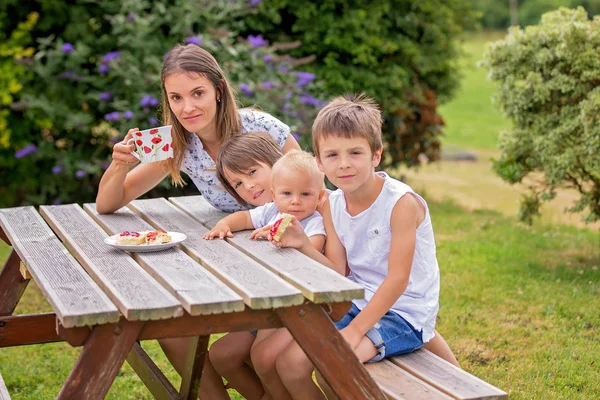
(518, 307)
(472, 121)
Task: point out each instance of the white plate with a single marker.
(176, 238)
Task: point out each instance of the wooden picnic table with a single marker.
(107, 300)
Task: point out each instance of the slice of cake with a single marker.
(157, 237)
(128, 238)
(280, 226)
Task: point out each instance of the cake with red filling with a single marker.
(128, 238)
(157, 237)
(280, 226)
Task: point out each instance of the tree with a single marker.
(549, 86)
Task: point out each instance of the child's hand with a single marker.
(322, 201)
(294, 236)
(352, 336)
(261, 233)
(220, 230)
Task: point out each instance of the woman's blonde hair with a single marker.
(242, 152)
(194, 60)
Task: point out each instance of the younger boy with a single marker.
(382, 229)
(297, 188)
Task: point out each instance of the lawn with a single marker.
(517, 307)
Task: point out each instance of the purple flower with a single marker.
(115, 140)
(194, 40)
(286, 107)
(255, 2)
(113, 55)
(69, 75)
(309, 101)
(288, 95)
(57, 202)
(25, 151)
(113, 116)
(103, 69)
(304, 78)
(67, 48)
(131, 17)
(296, 136)
(153, 121)
(149, 101)
(80, 174)
(105, 165)
(257, 41)
(246, 89)
(57, 169)
(128, 114)
(293, 114)
(267, 58)
(105, 96)
(268, 85)
(283, 68)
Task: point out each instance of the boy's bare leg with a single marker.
(230, 356)
(267, 347)
(440, 348)
(211, 384)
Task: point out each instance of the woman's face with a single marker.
(193, 100)
(253, 185)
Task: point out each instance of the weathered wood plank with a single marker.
(317, 283)
(12, 284)
(137, 295)
(73, 295)
(446, 377)
(199, 291)
(156, 382)
(396, 383)
(258, 287)
(3, 390)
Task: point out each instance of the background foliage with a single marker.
(549, 86)
(94, 73)
(98, 75)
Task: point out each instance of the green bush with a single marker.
(549, 86)
(402, 53)
(92, 80)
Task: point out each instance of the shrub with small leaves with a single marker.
(549, 86)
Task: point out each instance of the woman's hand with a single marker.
(122, 151)
(220, 230)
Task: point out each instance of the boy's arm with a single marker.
(237, 221)
(317, 241)
(334, 249)
(404, 222)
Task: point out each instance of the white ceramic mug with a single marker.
(154, 144)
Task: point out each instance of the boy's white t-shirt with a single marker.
(367, 239)
(268, 214)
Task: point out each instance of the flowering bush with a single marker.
(90, 87)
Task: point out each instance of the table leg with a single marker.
(100, 360)
(12, 284)
(329, 352)
(190, 379)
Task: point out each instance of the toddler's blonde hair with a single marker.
(300, 161)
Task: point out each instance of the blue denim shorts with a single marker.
(391, 335)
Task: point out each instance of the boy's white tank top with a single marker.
(367, 239)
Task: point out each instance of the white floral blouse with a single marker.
(201, 168)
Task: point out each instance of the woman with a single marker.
(199, 102)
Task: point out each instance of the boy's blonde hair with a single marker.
(349, 116)
(242, 152)
(300, 161)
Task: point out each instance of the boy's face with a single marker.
(252, 185)
(296, 193)
(347, 163)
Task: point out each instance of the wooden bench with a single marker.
(3, 391)
(423, 375)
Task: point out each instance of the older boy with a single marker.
(382, 230)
